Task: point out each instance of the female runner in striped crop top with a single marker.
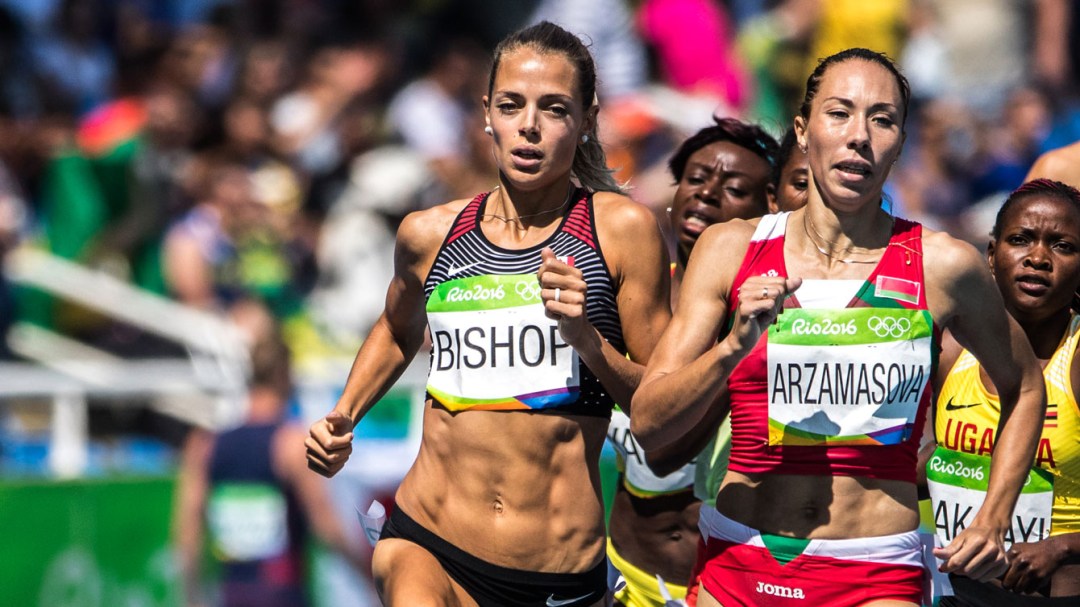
(534, 294)
(829, 384)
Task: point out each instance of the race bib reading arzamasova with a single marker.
(958, 482)
(247, 521)
(493, 347)
(847, 377)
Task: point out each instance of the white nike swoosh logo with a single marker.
(458, 269)
(554, 602)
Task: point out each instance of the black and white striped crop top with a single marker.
(493, 347)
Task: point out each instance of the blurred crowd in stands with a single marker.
(219, 150)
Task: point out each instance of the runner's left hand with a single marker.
(563, 279)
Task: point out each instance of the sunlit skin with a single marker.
(514, 489)
(794, 181)
(722, 181)
(1035, 261)
(537, 121)
(852, 133)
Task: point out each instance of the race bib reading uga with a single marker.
(957, 483)
(493, 348)
(853, 376)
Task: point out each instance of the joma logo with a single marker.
(781, 591)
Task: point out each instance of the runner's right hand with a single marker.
(329, 443)
(761, 299)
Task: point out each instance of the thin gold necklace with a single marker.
(834, 257)
(518, 219)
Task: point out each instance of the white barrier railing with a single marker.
(68, 372)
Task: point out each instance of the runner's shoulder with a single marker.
(727, 237)
(424, 230)
(952, 258)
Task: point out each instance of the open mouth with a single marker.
(859, 169)
(527, 153)
(694, 223)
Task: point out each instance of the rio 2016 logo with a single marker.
(957, 469)
(475, 293)
(883, 326)
(825, 326)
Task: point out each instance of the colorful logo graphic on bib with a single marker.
(494, 348)
(958, 483)
(852, 376)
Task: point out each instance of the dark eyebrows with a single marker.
(712, 169)
(877, 107)
(548, 98)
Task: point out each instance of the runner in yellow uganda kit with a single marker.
(1035, 257)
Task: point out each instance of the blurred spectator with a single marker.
(880, 25)
(384, 185)
(247, 495)
(431, 112)
(226, 248)
(608, 28)
(1013, 143)
(201, 61)
(694, 43)
(265, 72)
(18, 91)
(145, 180)
(305, 122)
(931, 179)
(984, 49)
(72, 58)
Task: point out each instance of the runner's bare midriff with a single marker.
(819, 507)
(518, 490)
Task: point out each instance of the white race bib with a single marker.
(638, 477)
(957, 483)
(494, 348)
(853, 376)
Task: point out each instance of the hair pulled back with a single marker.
(1035, 187)
(743, 134)
(813, 83)
(590, 163)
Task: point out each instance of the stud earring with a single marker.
(489, 130)
(584, 139)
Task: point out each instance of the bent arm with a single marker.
(635, 248)
(668, 459)
(961, 288)
(399, 331)
(689, 368)
(1003, 350)
(388, 349)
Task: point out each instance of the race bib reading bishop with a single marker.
(493, 348)
(957, 483)
(852, 376)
